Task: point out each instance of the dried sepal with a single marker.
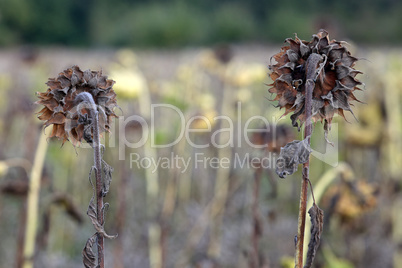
(61, 108)
(88, 254)
(317, 223)
(293, 154)
(334, 81)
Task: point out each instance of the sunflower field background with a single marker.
(205, 60)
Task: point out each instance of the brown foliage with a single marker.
(317, 222)
(293, 154)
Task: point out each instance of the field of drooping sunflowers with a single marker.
(173, 201)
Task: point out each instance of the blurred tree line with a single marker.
(199, 22)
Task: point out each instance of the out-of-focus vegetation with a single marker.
(198, 22)
(203, 215)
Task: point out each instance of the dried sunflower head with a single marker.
(334, 80)
(69, 119)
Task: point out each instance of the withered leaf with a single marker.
(293, 154)
(317, 222)
(88, 254)
(107, 177)
(92, 214)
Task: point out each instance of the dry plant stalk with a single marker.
(221, 187)
(257, 231)
(312, 64)
(79, 105)
(155, 233)
(314, 80)
(33, 204)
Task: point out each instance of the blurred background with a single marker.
(207, 59)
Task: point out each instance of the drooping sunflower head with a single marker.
(62, 110)
(334, 80)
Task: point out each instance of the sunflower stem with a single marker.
(89, 103)
(98, 177)
(311, 64)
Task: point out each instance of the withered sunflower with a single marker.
(334, 81)
(69, 120)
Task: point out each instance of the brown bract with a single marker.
(334, 81)
(69, 119)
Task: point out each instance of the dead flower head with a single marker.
(67, 117)
(334, 84)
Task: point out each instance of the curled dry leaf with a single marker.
(293, 154)
(92, 214)
(107, 177)
(88, 254)
(317, 222)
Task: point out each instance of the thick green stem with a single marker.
(311, 66)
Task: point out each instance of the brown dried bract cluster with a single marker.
(334, 81)
(62, 111)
